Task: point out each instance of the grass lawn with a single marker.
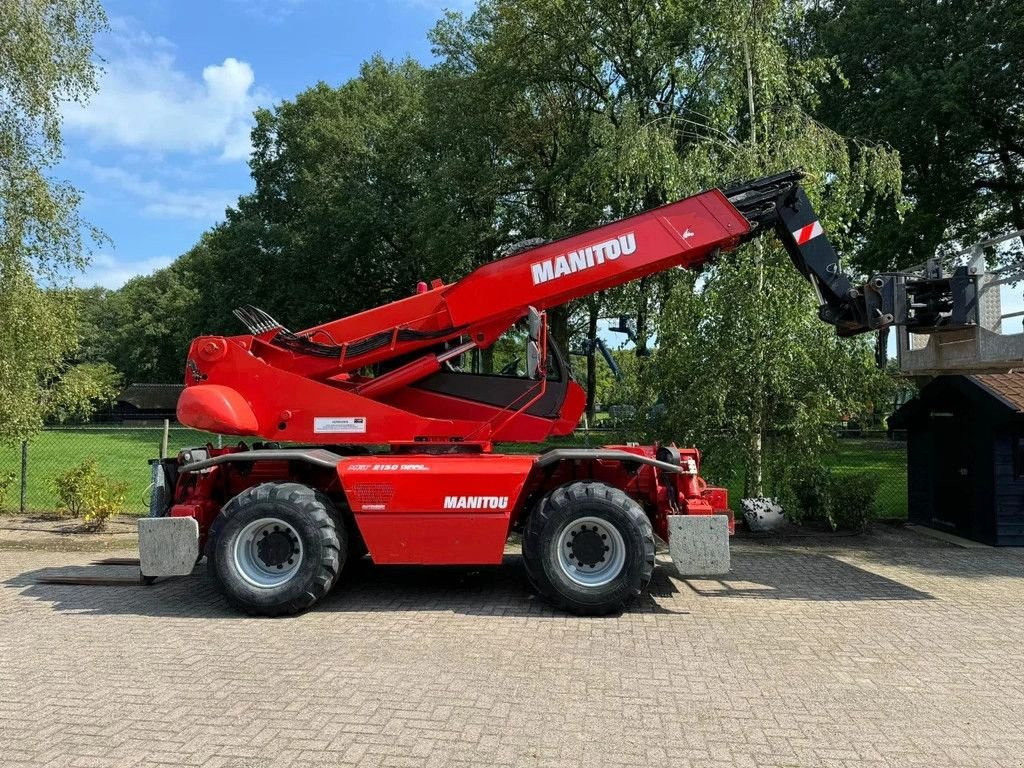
(886, 460)
(122, 454)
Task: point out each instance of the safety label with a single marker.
(339, 424)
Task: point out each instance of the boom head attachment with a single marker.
(955, 319)
(957, 306)
(779, 203)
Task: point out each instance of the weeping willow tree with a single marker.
(744, 365)
(598, 109)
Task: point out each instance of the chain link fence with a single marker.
(878, 453)
(884, 457)
(121, 453)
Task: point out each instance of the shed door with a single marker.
(954, 498)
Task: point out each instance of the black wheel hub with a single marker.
(275, 548)
(587, 547)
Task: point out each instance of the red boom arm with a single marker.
(485, 303)
(311, 386)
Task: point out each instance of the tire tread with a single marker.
(310, 501)
(557, 500)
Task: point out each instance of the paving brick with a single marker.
(882, 650)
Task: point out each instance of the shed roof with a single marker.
(151, 397)
(1008, 387)
(1001, 395)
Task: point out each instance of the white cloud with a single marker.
(157, 200)
(110, 272)
(146, 102)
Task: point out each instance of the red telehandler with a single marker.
(371, 438)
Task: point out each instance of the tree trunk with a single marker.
(487, 360)
(593, 308)
(754, 486)
(558, 327)
(643, 289)
(750, 91)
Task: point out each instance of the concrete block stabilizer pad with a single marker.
(168, 546)
(699, 544)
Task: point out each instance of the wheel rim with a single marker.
(591, 551)
(268, 552)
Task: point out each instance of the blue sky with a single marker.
(161, 149)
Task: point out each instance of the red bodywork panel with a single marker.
(296, 396)
(453, 510)
(418, 509)
(219, 409)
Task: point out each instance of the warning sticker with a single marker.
(339, 424)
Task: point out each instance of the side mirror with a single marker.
(536, 346)
(533, 323)
(533, 362)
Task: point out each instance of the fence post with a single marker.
(24, 474)
(163, 441)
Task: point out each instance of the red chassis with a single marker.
(455, 509)
(278, 523)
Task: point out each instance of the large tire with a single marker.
(277, 548)
(589, 548)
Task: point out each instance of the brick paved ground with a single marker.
(889, 650)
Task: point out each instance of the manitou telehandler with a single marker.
(373, 438)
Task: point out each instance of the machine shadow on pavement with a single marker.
(796, 575)
(489, 591)
(500, 590)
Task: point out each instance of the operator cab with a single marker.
(499, 376)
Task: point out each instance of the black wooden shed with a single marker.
(965, 456)
(147, 402)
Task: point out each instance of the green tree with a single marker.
(943, 83)
(742, 354)
(147, 325)
(536, 123)
(576, 101)
(45, 60)
(752, 376)
(83, 390)
(354, 203)
(342, 190)
(227, 268)
(93, 327)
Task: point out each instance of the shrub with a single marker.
(72, 487)
(852, 500)
(104, 499)
(846, 501)
(85, 493)
(6, 481)
(811, 495)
